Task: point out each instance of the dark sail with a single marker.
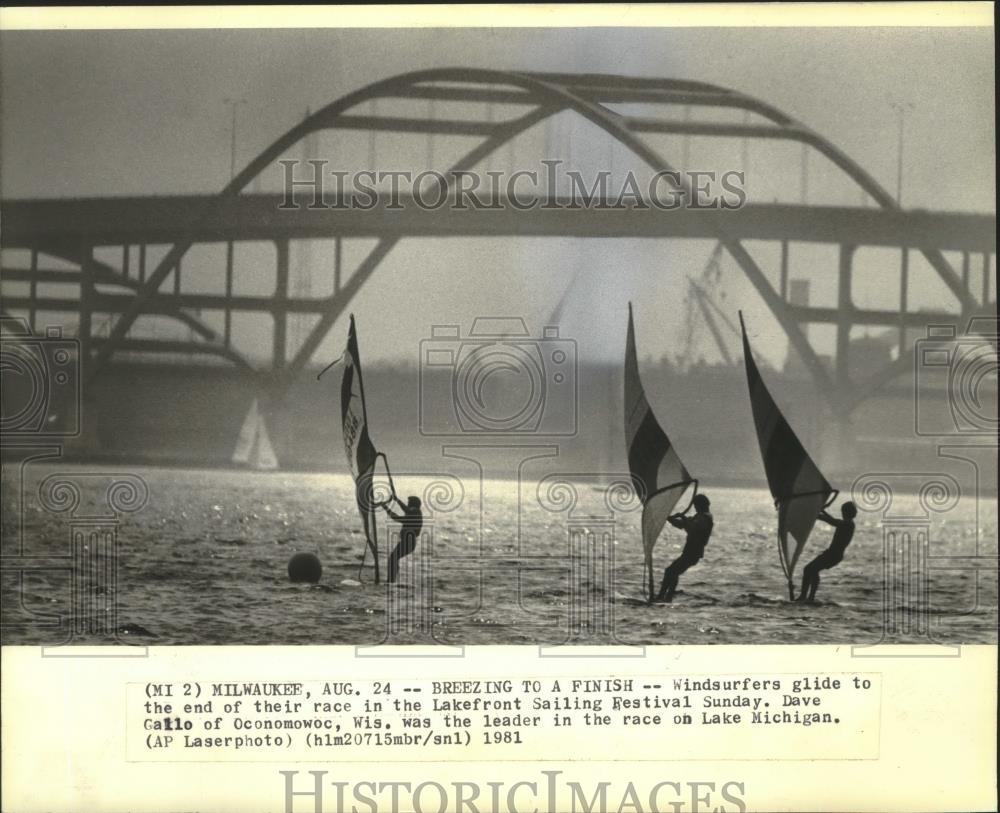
(658, 475)
(799, 489)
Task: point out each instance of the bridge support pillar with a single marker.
(784, 271)
(904, 290)
(843, 434)
(88, 441)
(86, 308)
(228, 313)
(337, 263)
(33, 291)
(280, 350)
(845, 308)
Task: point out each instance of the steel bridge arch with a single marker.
(549, 93)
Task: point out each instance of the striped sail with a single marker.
(658, 475)
(358, 447)
(799, 489)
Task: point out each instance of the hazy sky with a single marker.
(115, 113)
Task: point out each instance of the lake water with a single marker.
(203, 560)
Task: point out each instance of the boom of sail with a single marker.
(799, 489)
(360, 451)
(658, 475)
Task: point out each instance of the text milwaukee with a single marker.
(256, 689)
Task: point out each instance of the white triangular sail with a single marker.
(799, 489)
(253, 446)
(248, 433)
(658, 475)
(263, 455)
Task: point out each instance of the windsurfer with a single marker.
(412, 520)
(699, 529)
(833, 555)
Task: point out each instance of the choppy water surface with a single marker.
(205, 562)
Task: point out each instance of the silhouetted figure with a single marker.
(833, 555)
(699, 529)
(412, 519)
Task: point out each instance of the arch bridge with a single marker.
(74, 232)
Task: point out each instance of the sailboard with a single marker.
(799, 489)
(358, 446)
(253, 445)
(658, 475)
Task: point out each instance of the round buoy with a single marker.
(304, 567)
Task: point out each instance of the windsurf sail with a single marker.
(361, 453)
(799, 489)
(658, 475)
(253, 446)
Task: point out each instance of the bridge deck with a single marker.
(134, 220)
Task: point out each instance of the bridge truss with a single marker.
(71, 231)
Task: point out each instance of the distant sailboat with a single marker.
(253, 446)
(658, 475)
(799, 489)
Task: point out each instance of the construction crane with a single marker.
(700, 294)
(707, 306)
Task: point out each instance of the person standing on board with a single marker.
(698, 529)
(412, 519)
(833, 555)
